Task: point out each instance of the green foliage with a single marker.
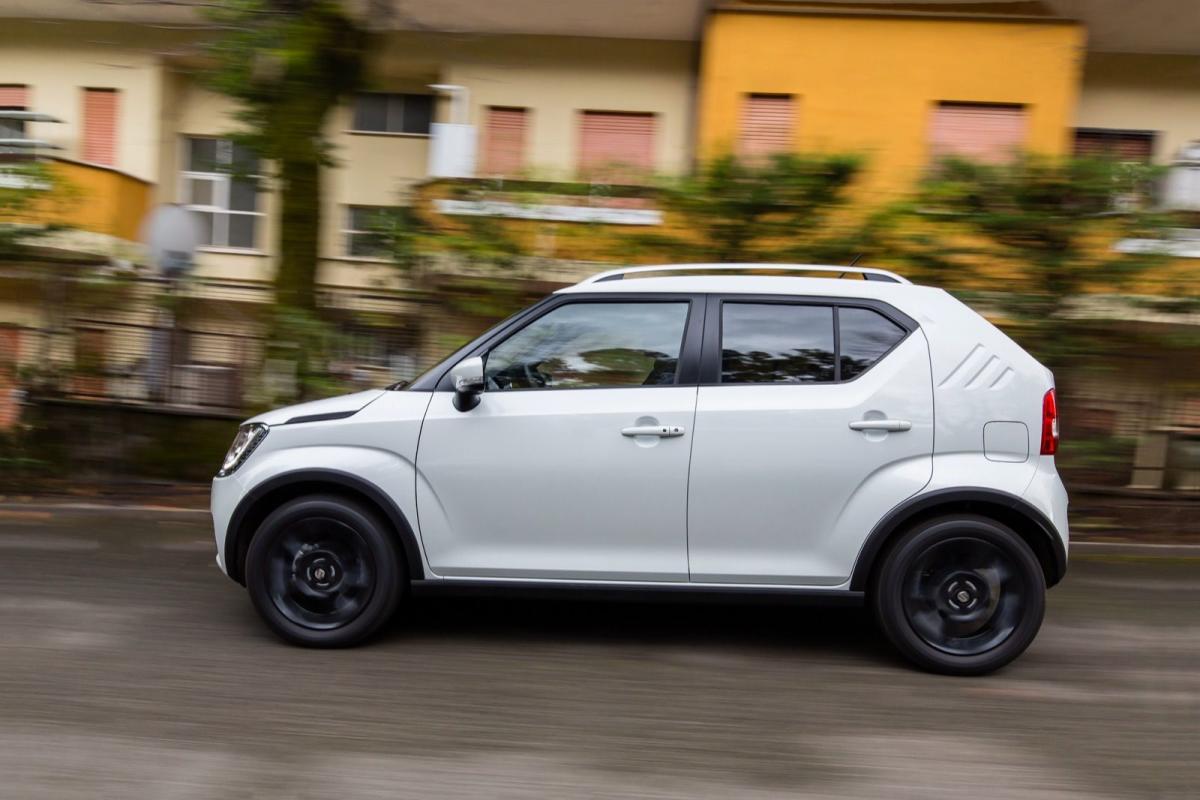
(24, 187)
(21, 464)
(416, 245)
(288, 63)
(304, 346)
(1048, 223)
(776, 210)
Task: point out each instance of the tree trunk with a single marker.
(299, 230)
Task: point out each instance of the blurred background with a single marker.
(368, 184)
(213, 207)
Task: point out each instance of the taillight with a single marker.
(1049, 424)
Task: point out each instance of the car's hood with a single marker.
(330, 408)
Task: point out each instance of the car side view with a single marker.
(686, 428)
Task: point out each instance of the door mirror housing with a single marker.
(467, 377)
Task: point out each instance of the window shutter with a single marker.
(766, 125)
(1121, 145)
(100, 126)
(14, 97)
(979, 131)
(616, 146)
(504, 141)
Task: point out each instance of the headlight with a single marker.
(248, 437)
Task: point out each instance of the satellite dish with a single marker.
(171, 233)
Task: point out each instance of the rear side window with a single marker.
(776, 343)
(795, 343)
(865, 336)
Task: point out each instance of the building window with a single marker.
(365, 231)
(504, 141)
(376, 112)
(220, 184)
(1128, 146)
(766, 125)
(100, 126)
(616, 147)
(13, 97)
(989, 132)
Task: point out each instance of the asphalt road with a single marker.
(131, 668)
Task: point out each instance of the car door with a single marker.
(813, 420)
(574, 463)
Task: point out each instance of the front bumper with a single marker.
(223, 499)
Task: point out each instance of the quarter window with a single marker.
(776, 343)
(865, 336)
(592, 345)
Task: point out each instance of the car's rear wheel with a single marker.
(324, 571)
(960, 595)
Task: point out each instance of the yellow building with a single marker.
(899, 84)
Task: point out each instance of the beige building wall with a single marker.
(556, 78)
(1130, 91)
(58, 61)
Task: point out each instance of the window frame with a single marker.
(710, 357)
(222, 185)
(438, 379)
(353, 129)
(348, 233)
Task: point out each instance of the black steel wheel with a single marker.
(960, 595)
(324, 571)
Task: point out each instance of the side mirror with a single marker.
(467, 376)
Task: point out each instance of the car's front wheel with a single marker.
(960, 595)
(324, 571)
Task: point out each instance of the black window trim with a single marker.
(438, 378)
(355, 130)
(710, 357)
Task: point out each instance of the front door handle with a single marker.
(881, 425)
(664, 431)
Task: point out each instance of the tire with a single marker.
(959, 595)
(324, 571)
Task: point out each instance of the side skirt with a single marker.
(636, 593)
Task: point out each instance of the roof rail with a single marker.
(867, 272)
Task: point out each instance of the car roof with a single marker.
(735, 283)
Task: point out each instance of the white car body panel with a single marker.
(781, 487)
(541, 486)
(378, 444)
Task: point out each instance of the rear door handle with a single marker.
(664, 431)
(880, 425)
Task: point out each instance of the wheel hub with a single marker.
(320, 570)
(964, 592)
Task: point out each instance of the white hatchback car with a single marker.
(814, 436)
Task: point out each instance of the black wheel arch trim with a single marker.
(237, 539)
(1055, 565)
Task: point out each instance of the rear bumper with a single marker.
(1047, 494)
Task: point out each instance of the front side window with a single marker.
(592, 345)
(776, 343)
(220, 186)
